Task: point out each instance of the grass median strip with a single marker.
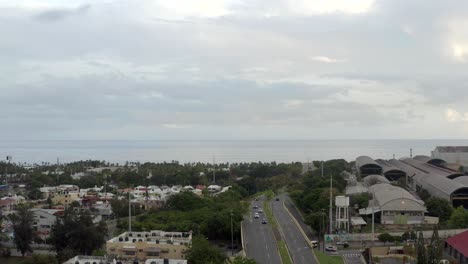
(325, 259)
(283, 250)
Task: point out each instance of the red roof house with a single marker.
(456, 247)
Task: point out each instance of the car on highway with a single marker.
(277, 199)
(314, 243)
(344, 243)
(264, 221)
(255, 207)
(256, 199)
(330, 249)
(256, 215)
(260, 210)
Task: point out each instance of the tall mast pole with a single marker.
(331, 205)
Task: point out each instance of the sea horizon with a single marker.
(222, 150)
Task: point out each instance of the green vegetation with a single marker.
(202, 252)
(209, 216)
(284, 253)
(325, 259)
(22, 222)
(75, 234)
(39, 259)
(312, 193)
(459, 218)
(439, 207)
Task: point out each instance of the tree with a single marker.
(385, 237)
(439, 207)
(435, 249)
(241, 260)
(23, 231)
(421, 250)
(459, 218)
(75, 233)
(202, 252)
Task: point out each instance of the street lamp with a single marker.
(232, 238)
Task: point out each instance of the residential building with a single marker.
(149, 245)
(44, 219)
(456, 248)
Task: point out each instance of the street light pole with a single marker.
(232, 238)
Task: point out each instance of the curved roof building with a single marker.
(431, 169)
(396, 205)
(367, 166)
(374, 179)
(391, 172)
(433, 161)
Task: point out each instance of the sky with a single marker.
(233, 69)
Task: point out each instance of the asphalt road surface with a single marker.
(299, 249)
(259, 241)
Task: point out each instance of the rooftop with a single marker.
(459, 242)
(154, 237)
(452, 149)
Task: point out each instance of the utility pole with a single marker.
(372, 239)
(8, 158)
(321, 163)
(331, 205)
(411, 153)
(214, 170)
(129, 213)
(232, 237)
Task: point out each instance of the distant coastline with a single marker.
(37, 151)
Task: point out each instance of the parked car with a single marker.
(330, 249)
(264, 221)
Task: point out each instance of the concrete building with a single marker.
(44, 219)
(155, 244)
(394, 205)
(64, 197)
(367, 166)
(452, 154)
(456, 248)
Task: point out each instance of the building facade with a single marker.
(154, 244)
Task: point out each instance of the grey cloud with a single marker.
(56, 14)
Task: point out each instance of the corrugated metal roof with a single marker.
(462, 180)
(387, 166)
(384, 193)
(374, 179)
(431, 169)
(365, 160)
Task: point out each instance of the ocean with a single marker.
(119, 151)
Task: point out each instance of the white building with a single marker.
(44, 219)
(451, 154)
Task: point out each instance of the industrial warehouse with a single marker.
(394, 185)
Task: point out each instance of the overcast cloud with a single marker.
(233, 69)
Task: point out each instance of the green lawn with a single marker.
(11, 260)
(325, 259)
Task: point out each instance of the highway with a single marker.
(299, 249)
(259, 240)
